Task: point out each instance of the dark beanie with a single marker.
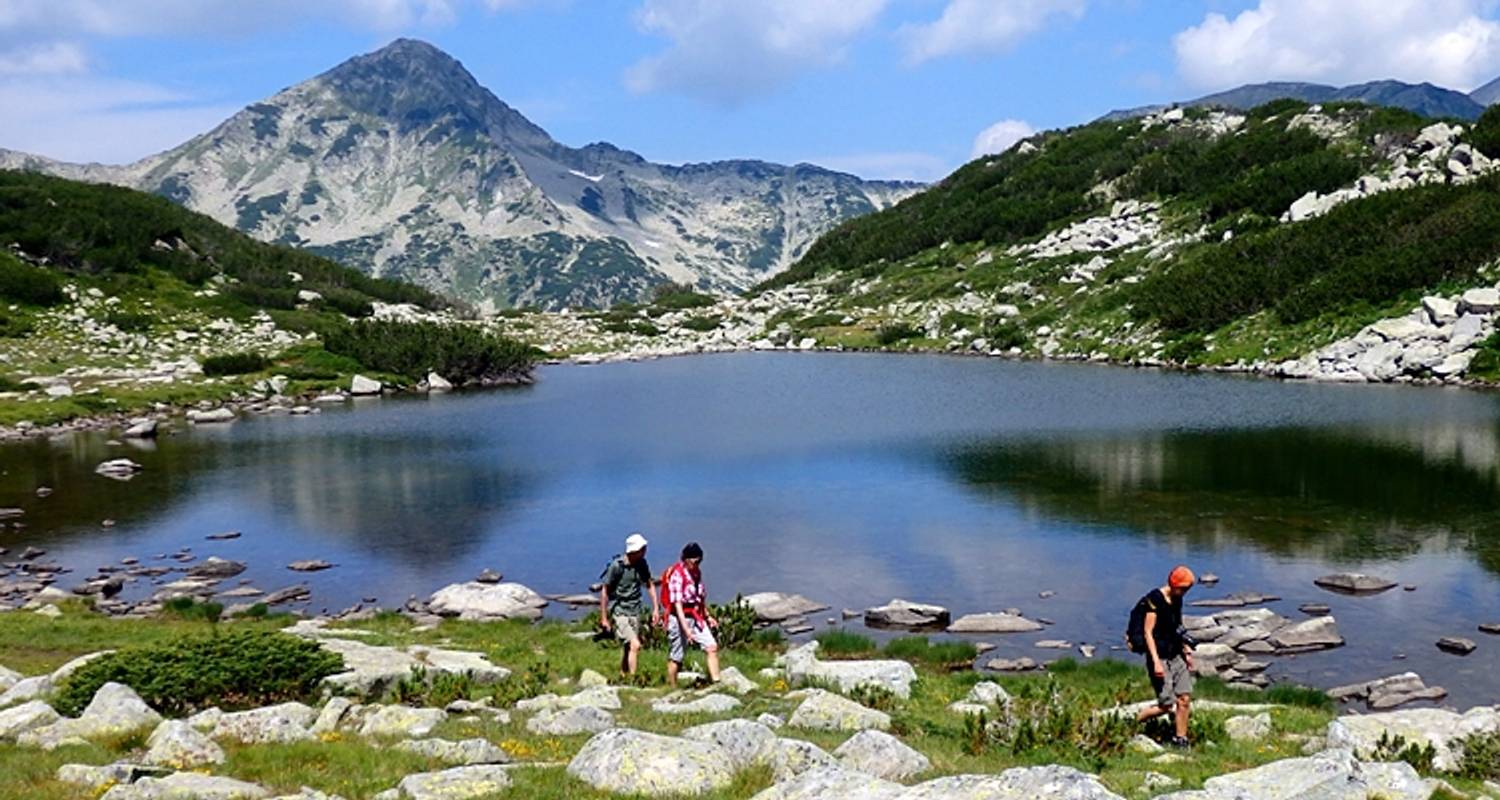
(692, 550)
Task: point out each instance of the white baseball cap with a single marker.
(635, 542)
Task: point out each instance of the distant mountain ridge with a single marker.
(400, 163)
(1420, 98)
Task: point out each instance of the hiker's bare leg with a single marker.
(1184, 703)
(672, 667)
(713, 663)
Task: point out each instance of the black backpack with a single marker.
(1135, 632)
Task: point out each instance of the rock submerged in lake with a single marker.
(1456, 645)
(1389, 692)
(215, 567)
(906, 615)
(120, 469)
(1354, 583)
(997, 622)
(779, 606)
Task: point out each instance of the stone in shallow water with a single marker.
(1314, 634)
(906, 615)
(1355, 583)
(625, 761)
(1457, 645)
(779, 606)
(998, 622)
(486, 601)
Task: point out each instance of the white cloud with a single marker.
(730, 50)
(894, 166)
(1000, 137)
(99, 119)
(983, 26)
(43, 59)
(1448, 42)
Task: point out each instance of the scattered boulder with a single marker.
(279, 724)
(1435, 726)
(141, 429)
(184, 785)
(570, 721)
(116, 710)
(792, 757)
(1354, 583)
(1389, 692)
(310, 565)
(707, 704)
(1332, 774)
(178, 745)
(360, 386)
(833, 781)
(437, 383)
(882, 755)
(905, 615)
(371, 669)
(732, 680)
(458, 783)
(1062, 783)
(401, 722)
(99, 778)
(1315, 609)
(1236, 600)
(802, 666)
(25, 717)
(625, 761)
(747, 743)
(1022, 664)
(221, 414)
(823, 710)
(997, 622)
(479, 601)
(1245, 728)
(465, 752)
(779, 606)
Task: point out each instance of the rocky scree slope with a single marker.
(1190, 237)
(400, 163)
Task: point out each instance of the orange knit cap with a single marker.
(1181, 577)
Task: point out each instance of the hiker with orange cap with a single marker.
(1156, 629)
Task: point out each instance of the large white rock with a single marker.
(1480, 301)
(625, 761)
(437, 383)
(822, 710)
(186, 786)
(1313, 634)
(27, 689)
(179, 745)
(707, 704)
(1334, 774)
(825, 783)
(792, 757)
(803, 666)
(747, 743)
(401, 722)
(116, 710)
(25, 717)
(1022, 783)
(487, 601)
(221, 414)
(464, 752)
(458, 783)
(371, 669)
(1440, 310)
(360, 386)
(1435, 726)
(279, 724)
(882, 755)
(570, 721)
(9, 678)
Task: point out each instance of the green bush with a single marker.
(14, 326)
(1486, 363)
(347, 302)
(130, 321)
(460, 353)
(9, 384)
(190, 609)
(637, 327)
(1004, 333)
(231, 669)
(233, 364)
(264, 296)
(1485, 134)
(1063, 723)
(23, 283)
(1479, 756)
(1395, 747)
(703, 324)
(677, 296)
(894, 332)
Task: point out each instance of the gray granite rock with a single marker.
(882, 755)
(458, 783)
(803, 666)
(179, 745)
(570, 721)
(822, 710)
(624, 761)
(747, 743)
(824, 783)
(465, 752)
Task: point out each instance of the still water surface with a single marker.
(852, 479)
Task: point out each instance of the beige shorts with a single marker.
(1176, 680)
(627, 627)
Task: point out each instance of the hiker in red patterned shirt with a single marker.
(688, 620)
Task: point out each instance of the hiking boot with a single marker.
(1179, 743)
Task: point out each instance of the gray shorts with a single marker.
(1176, 680)
(698, 634)
(627, 627)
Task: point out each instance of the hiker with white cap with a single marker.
(620, 604)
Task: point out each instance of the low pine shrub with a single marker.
(231, 669)
(894, 332)
(679, 296)
(233, 364)
(1479, 756)
(23, 283)
(703, 324)
(130, 321)
(460, 353)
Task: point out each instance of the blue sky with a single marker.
(882, 88)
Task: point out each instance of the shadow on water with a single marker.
(1328, 494)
